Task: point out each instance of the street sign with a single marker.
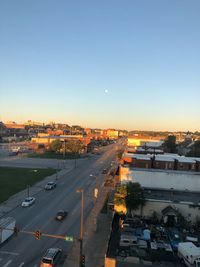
(96, 192)
(69, 238)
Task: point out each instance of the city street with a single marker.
(25, 250)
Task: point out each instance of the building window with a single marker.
(193, 167)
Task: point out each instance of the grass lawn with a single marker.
(51, 155)
(13, 180)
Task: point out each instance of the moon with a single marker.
(106, 91)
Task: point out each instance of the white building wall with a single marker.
(164, 179)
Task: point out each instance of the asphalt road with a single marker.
(25, 250)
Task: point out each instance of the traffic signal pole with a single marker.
(38, 234)
(81, 256)
(81, 228)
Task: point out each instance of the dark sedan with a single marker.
(61, 215)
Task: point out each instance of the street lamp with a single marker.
(80, 190)
(28, 186)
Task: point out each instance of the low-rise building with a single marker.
(161, 179)
(164, 161)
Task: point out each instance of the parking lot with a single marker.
(143, 242)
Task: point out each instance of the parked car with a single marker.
(104, 171)
(61, 215)
(51, 257)
(50, 185)
(174, 238)
(28, 201)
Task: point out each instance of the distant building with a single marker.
(164, 161)
(139, 143)
(33, 123)
(14, 125)
(88, 131)
(110, 133)
(46, 139)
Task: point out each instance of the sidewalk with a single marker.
(17, 199)
(97, 229)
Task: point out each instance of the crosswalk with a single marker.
(10, 263)
(6, 262)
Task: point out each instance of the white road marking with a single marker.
(9, 253)
(75, 210)
(9, 262)
(21, 264)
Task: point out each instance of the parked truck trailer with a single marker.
(7, 226)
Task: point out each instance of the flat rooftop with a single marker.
(162, 157)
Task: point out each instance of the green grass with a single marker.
(51, 155)
(13, 180)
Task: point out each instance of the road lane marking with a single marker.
(9, 262)
(9, 253)
(75, 210)
(21, 264)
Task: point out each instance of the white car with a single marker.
(28, 201)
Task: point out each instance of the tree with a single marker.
(134, 197)
(182, 222)
(195, 151)
(170, 144)
(130, 195)
(120, 153)
(55, 146)
(74, 147)
(120, 195)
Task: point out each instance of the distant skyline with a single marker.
(131, 64)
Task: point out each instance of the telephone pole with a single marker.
(81, 227)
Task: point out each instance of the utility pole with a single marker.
(64, 150)
(28, 190)
(81, 226)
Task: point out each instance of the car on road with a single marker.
(28, 201)
(51, 257)
(50, 185)
(61, 214)
(104, 171)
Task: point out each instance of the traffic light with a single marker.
(38, 234)
(82, 260)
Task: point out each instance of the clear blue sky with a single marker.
(57, 58)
